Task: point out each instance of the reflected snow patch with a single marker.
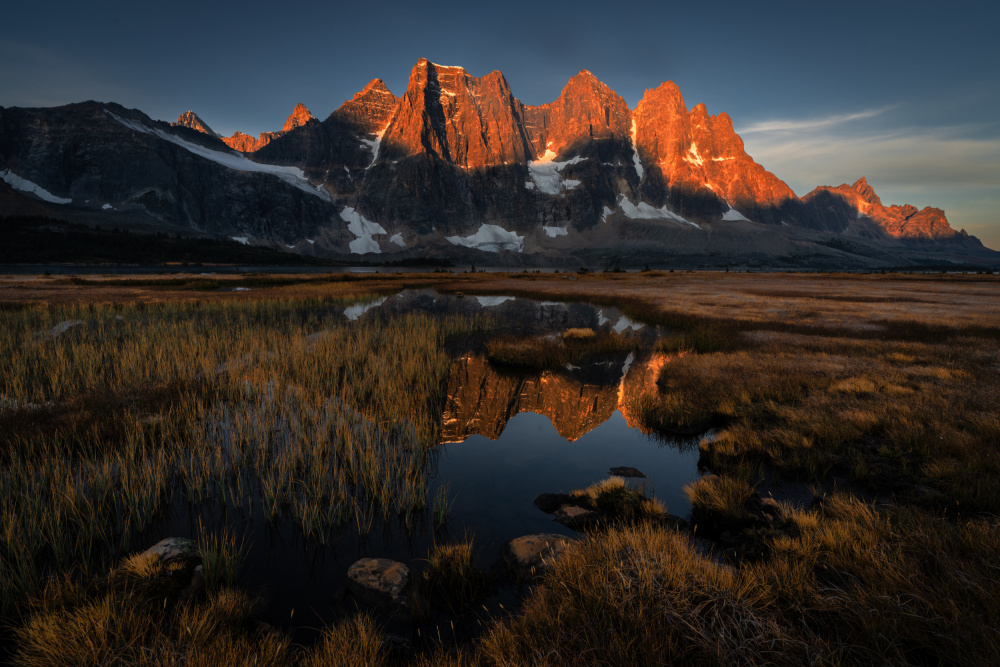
(364, 229)
(490, 301)
(357, 310)
(624, 324)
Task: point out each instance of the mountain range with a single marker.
(459, 168)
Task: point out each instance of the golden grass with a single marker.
(889, 381)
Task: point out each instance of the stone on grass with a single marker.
(175, 549)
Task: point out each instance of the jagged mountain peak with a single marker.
(191, 120)
(458, 164)
(904, 221)
(867, 192)
(299, 117)
(369, 110)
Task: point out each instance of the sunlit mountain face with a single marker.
(459, 167)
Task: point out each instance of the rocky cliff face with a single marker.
(459, 167)
(94, 159)
(191, 120)
(696, 156)
(370, 110)
(897, 221)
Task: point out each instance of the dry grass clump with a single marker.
(722, 503)
(579, 334)
(616, 500)
(452, 581)
(222, 557)
(640, 596)
(351, 642)
(74, 625)
(542, 352)
(858, 584)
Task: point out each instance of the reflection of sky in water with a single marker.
(493, 483)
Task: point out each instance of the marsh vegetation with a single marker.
(873, 399)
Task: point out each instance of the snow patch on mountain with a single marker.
(635, 153)
(644, 211)
(374, 145)
(398, 240)
(693, 157)
(556, 231)
(24, 185)
(236, 161)
(605, 213)
(733, 214)
(491, 238)
(364, 229)
(545, 176)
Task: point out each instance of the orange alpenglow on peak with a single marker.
(300, 116)
(695, 150)
(191, 120)
(900, 221)
(370, 110)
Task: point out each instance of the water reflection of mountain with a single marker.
(482, 398)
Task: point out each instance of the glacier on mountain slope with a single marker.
(491, 238)
(733, 214)
(291, 175)
(643, 211)
(555, 231)
(635, 153)
(24, 185)
(545, 176)
(364, 229)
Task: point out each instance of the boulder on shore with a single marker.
(534, 553)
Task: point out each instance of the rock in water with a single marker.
(576, 517)
(550, 502)
(534, 553)
(382, 583)
(626, 471)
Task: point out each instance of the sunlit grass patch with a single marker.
(617, 501)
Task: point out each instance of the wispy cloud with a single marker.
(953, 167)
(788, 125)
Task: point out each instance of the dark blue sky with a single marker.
(905, 93)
